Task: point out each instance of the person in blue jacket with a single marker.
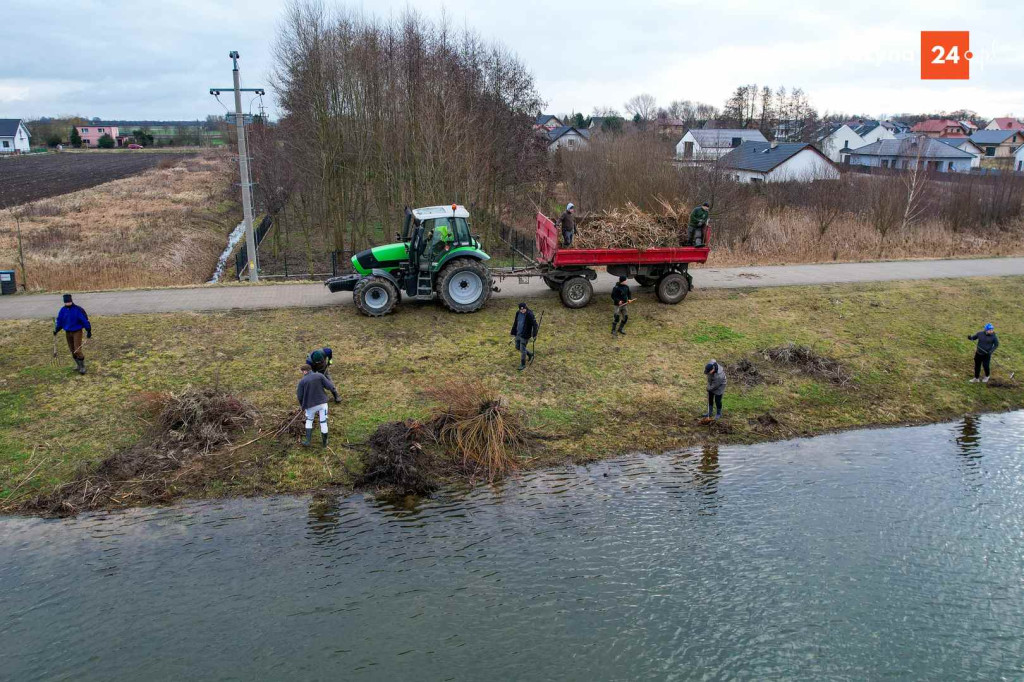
(73, 320)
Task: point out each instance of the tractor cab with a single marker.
(437, 256)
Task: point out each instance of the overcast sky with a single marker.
(120, 59)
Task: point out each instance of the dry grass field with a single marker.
(165, 226)
(794, 238)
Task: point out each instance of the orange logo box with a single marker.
(946, 55)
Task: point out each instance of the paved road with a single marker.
(213, 297)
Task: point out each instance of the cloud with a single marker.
(115, 59)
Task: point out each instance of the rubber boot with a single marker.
(323, 439)
(614, 322)
(81, 366)
(621, 326)
(521, 367)
(307, 441)
(718, 415)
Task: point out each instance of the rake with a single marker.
(54, 362)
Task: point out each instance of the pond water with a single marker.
(882, 554)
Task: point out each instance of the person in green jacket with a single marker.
(698, 221)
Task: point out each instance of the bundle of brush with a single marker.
(631, 228)
(477, 424)
(396, 460)
(198, 418)
(808, 361)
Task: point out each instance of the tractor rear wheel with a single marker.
(552, 284)
(672, 288)
(375, 296)
(464, 285)
(576, 292)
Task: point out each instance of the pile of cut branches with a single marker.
(186, 426)
(808, 361)
(632, 228)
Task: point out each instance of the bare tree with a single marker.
(643, 105)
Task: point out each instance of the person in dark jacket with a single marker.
(698, 221)
(716, 388)
(987, 344)
(321, 360)
(524, 328)
(312, 395)
(568, 223)
(621, 300)
(72, 319)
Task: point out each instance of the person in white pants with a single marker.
(312, 395)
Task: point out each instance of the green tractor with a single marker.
(436, 256)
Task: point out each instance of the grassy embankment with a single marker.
(589, 396)
(165, 226)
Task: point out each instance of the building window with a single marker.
(85, 130)
(990, 151)
(885, 163)
(570, 142)
(99, 130)
(6, 144)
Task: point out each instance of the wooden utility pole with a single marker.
(243, 165)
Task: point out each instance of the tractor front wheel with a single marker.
(576, 292)
(464, 285)
(375, 296)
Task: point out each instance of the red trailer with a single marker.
(571, 271)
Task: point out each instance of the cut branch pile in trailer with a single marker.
(632, 228)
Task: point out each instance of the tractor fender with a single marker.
(386, 275)
(474, 254)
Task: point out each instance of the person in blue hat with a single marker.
(987, 344)
(73, 320)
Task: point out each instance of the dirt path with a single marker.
(213, 297)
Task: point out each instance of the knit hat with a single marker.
(989, 327)
(706, 204)
(67, 298)
(522, 304)
(710, 367)
(570, 206)
(622, 278)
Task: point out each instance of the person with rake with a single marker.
(716, 389)
(987, 344)
(524, 327)
(73, 320)
(621, 299)
(312, 395)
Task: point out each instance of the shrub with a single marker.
(106, 142)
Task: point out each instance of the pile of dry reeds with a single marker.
(477, 424)
(808, 361)
(632, 228)
(186, 426)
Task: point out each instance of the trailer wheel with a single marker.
(672, 288)
(645, 281)
(576, 292)
(464, 285)
(375, 296)
(552, 284)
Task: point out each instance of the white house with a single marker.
(873, 131)
(1018, 159)
(836, 137)
(778, 162)
(1005, 123)
(908, 152)
(964, 144)
(14, 136)
(547, 122)
(701, 144)
(567, 137)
